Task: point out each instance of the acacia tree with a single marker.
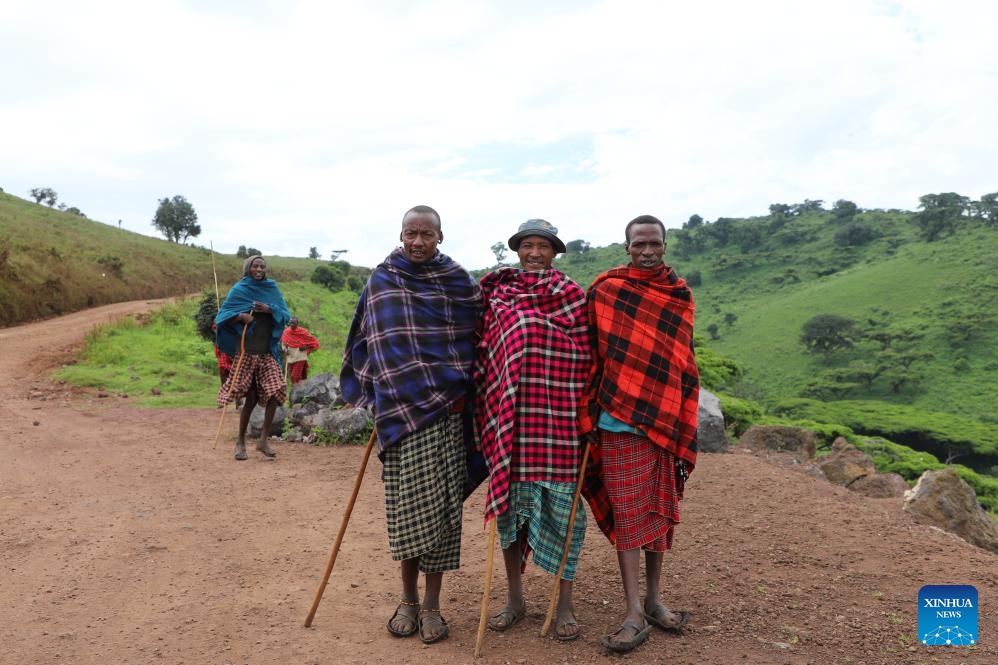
(825, 333)
(499, 249)
(46, 194)
(940, 212)
(175, 218)
(987, 208)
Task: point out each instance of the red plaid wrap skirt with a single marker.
(640, 478)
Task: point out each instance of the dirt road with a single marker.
(127, 538)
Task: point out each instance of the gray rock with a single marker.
(711, 437)
(944, 500)
(322, 389)
(256, 422)
(343, 424)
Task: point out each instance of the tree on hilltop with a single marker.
(176, 219)
(46, 194)
(940, 212)
(987, 208)
(499, 249)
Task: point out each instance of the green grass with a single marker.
(159, 352)
(163, 352)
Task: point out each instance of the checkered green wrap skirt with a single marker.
(543, 508)
(424, 475)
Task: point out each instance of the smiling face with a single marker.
(258, 269)
(646, 245)
(535, 253)
(420, 236)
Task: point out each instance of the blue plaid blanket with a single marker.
(411, 344)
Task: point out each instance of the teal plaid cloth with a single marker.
(543, 508)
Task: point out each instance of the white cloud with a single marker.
(300, 124)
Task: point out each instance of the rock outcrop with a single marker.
(943, 499)
(711, 437)
(798, 442)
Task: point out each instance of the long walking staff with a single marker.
(232, 382)
(343, 528)
(218, 305)
(568, 544)
(488, 589)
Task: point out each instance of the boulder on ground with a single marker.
(345, 424)
(944, 500)
(256, 422)
(846, 463)
(798, 442)
(711, 437)
(880, 485)
(321, 389)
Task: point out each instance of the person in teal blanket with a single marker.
(255, 306)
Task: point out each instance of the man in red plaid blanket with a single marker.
(640, 410)
(530, 367)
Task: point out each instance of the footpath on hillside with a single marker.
(128, 538)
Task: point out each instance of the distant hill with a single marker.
(54, 262)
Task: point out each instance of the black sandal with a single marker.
(436, 616)
(415, 620)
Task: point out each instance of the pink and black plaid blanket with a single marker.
(530, 367)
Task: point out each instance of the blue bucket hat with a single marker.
(537, 227)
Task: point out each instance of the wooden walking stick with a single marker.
(232, 382)
(343, 528)
(568, 544)
(218, 305)
(488, 589)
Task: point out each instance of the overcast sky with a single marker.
(290, 125)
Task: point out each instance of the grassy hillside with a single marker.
(54, 262)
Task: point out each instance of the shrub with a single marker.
(739, 414)
(204, 318)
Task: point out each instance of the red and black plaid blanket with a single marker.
(530, 368)
(645, 372)
(297, 337)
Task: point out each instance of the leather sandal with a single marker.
(415, 619)
(429, 617)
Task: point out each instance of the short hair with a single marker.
(422, 209)
(643, 219)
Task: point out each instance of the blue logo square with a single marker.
(947, 615)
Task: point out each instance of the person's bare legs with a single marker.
(433, 626)
(566, 625)
(653, 602)
(405, 619)
(268, 420)
(244, 418)
(630, 570)
(516, 606)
